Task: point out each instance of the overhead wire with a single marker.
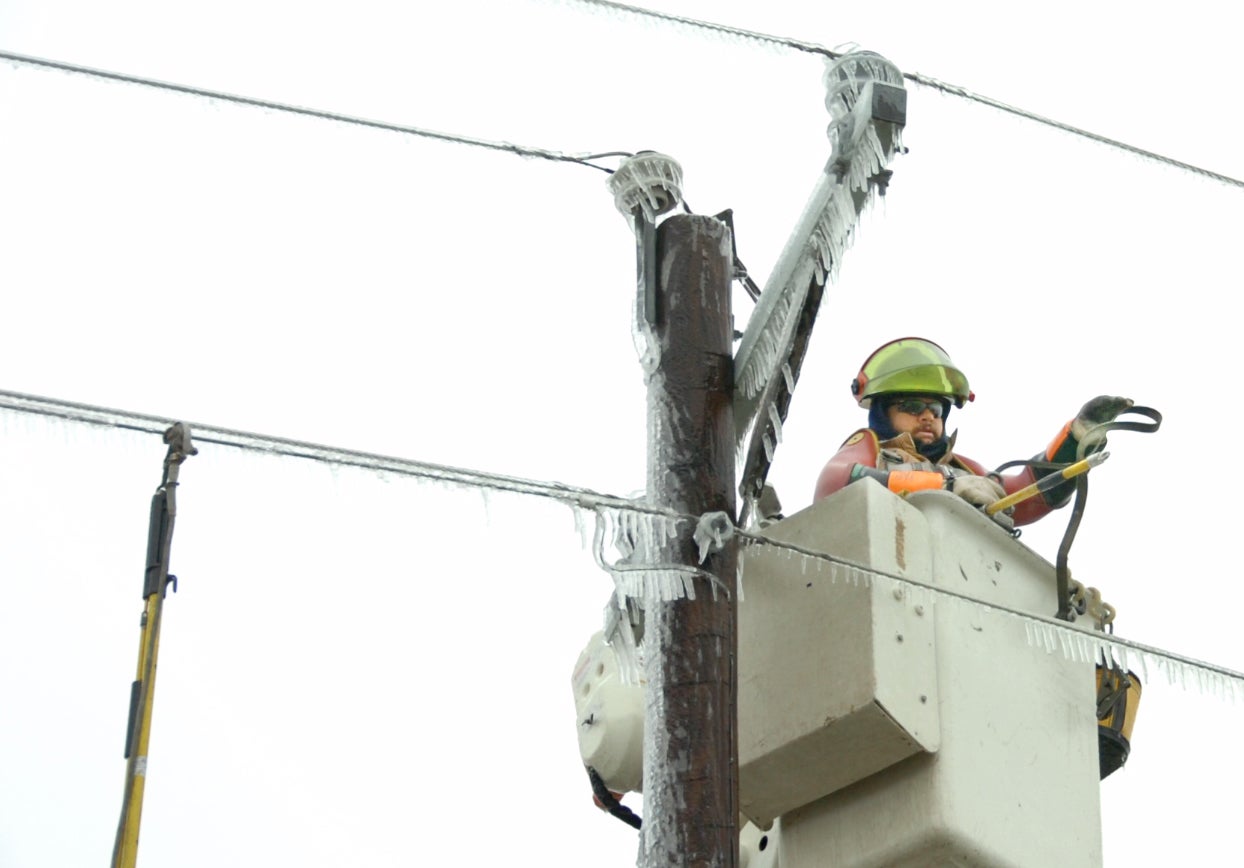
(321, 114)
(129, 421)
(580, 497)
(1236, 678)
(577, 497)
(917, 78)
(585, 159)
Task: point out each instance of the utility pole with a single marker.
(683, 320)
(703, 403)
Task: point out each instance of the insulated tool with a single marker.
(1045, 483)
(142, 693)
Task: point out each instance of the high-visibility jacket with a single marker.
(908, 470)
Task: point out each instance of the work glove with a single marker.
(1099, 411)
(982, 491)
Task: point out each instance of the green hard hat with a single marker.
(911, 365)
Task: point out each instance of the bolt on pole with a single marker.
(684, 323)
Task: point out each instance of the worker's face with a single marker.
(917, 415)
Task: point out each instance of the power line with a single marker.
(918, 78)
(1227, 680)
(108, 417)
(585, 159)
(955, 90)
(725, 29)
(1231, 680)
(508, 147)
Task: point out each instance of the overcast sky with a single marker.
(361, 668)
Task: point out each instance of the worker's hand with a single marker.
(978, 490)
(983, 491)
(1099, 411)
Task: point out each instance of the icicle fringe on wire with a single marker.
(640, 573)
(636, 528)
(1044, 633)
(580, 498)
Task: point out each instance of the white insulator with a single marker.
(610, 717)
(648, 182)
(846, 77)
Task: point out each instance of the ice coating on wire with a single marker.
(1044, 634)
(637, 537)
(639, 573)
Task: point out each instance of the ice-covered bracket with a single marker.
(711, 533)
(643, 187)
(648, 183)
(868, 109)
(642, 572)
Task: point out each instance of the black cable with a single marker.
(1061, 572)
(609, 803)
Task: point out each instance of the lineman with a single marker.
(908, 386)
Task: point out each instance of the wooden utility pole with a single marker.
(690, 776)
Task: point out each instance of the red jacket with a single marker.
(911, 472)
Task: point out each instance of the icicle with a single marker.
(580, 526)
(789, 376)
(769, 344)
(483, 496)
(776, 419)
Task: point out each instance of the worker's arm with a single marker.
(857, 459)
(902, 481)
(860, 448)
(1063, 450)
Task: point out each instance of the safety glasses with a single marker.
(916, 406)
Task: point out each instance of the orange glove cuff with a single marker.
(903, 481)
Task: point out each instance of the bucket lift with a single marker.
(883, 724)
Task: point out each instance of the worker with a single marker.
(908, 387)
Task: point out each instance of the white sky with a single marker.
(369, 670)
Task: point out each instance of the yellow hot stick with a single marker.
(125, 851)
(155, 580)
(1045, 483)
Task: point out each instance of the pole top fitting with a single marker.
(648, 182)
(846, 78)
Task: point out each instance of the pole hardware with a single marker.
(644, 187)
(868, 109)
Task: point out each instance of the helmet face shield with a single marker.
(912, 365)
